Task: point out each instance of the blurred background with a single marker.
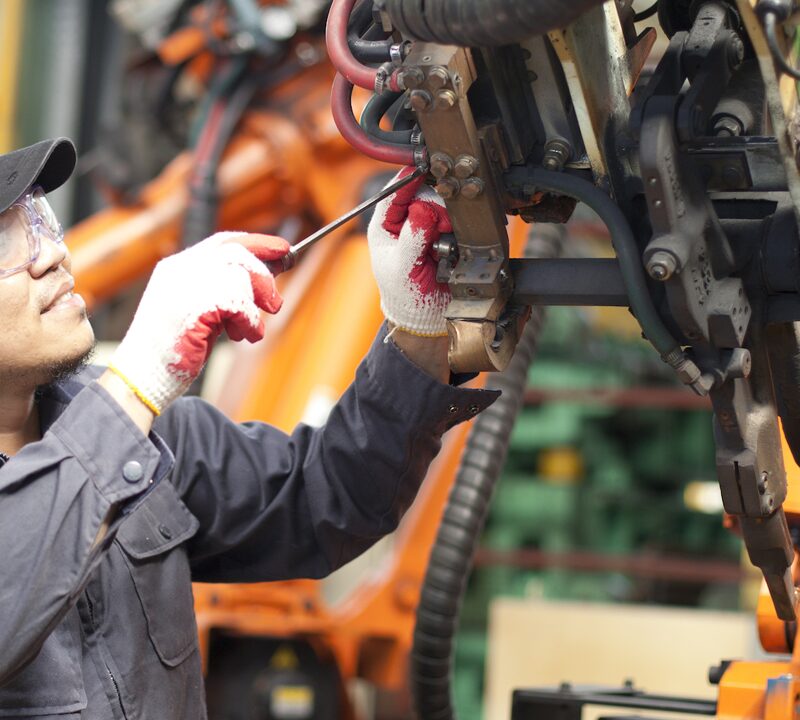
(605, 555)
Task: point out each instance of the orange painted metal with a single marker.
(768, 690)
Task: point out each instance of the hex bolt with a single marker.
(420, 100)
(735, 52)
(662, 266)
(447, 188)
(411, 78)
(438, 77)
(556, 154)
(441, 165)
(727, 126)
(471, 188)
(445, 99)
(465, 166)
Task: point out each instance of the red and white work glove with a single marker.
(219, 284)
(401, 234)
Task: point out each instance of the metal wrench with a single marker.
(288, 261)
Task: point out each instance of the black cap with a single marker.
(48, 163)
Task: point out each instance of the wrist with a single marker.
(429, 353)
(127, 398)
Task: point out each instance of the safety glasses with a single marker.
(21, 229)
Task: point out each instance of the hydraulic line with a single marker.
(366, 48)
(342, 110)
(625, 246)
(482, 23)
(339, 51)
(771, 32)
(376, 108)
(465, 515)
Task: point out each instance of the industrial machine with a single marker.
(526, 107)
(515, 108)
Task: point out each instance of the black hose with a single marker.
(645, 14)
(625, 246)
(770, 30)
(482, 23)
(375, 109)
(200, 218)
(360, 36)
(465, 515)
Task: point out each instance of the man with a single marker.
(116, 493)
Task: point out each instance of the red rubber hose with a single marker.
(342, 109)
(339, 50)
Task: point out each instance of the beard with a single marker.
(63, 369)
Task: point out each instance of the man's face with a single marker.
(44, 328)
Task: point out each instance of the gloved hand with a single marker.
(218, 284)
(401, 234)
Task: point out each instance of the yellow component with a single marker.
(284, 658)
(11, 25)
(292, 701)
(560, 466)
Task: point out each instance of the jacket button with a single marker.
(453, 409)
(165, 531)
(474, 409)
(132, 471)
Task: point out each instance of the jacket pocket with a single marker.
(52, 684)
(152, 540)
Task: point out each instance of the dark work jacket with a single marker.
(102, 530)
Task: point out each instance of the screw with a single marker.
(447, 188)
(556, 154)
(445, 99)
(441, 164)
(471, 188)
(438, 77)
(465, 166)
(662, 266)
(735, 52)
(420, 100)
(732, 177)
(762, 483)
(411, 78)
(727, 126)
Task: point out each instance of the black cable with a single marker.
(374, 111)
(482, 23)
(367, 41)
(645, 14)
(624, 242)
(200, 218)
(770, 30)
(464, 517)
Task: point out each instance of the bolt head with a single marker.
(441, 165)
(438, 77)
(662, 266)
(727, 127)
(447, 188)
(465, 166)
(445, 99)
(472, 188)
(420, 100)
(411, 78)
